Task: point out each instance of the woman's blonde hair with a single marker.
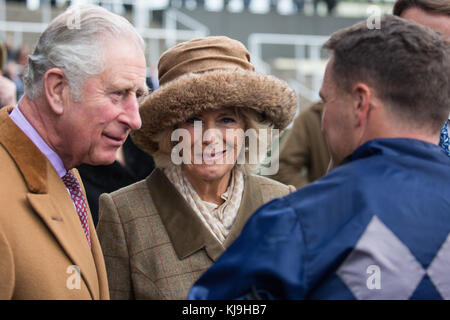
(257, 129)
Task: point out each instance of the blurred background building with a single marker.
(284, 37)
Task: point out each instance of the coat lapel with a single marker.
(97, 254)
(49, 198)
(251, 200)
(186, 231)
(68, 232)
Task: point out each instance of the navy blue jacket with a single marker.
(376, 227)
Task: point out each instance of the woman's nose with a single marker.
(212, 135)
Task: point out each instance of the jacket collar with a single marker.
(24, 152)
(397, 147)
(186, 231)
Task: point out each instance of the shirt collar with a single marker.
(19, 119)
(398, 146)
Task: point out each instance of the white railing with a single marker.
(172, 17)
(171, 32)
(303, 44)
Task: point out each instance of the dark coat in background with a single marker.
(106, 179)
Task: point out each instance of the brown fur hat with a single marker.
(210, 73)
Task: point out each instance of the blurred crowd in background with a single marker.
(13, 61)
(238, 5)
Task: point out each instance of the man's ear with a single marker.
(362, 95)
(55, 85)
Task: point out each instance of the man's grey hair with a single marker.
(74, 42)
(407, 65)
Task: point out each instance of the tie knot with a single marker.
(70, 181)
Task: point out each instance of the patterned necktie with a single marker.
(79, 201)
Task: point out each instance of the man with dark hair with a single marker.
(377, 226)
(434, 14)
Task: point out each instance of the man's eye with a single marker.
(117, 94)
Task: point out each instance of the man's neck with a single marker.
(29, 124)
(40, 118)
(35, 117)
(388, 125)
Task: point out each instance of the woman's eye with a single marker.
(228, 120)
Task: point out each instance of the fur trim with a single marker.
(192, 94)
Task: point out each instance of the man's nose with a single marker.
(132, 116)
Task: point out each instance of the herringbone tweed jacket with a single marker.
(155, 246)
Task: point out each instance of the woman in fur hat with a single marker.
(160, 234)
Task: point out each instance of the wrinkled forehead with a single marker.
(125, 63)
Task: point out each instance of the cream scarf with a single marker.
(218, 219)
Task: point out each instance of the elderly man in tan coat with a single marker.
(80, 103)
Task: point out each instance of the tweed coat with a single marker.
(155, 246)
(42, 243)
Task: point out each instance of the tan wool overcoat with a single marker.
(42, 243)
(155, 246)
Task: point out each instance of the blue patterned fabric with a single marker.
(376, 227)
(444, 141)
